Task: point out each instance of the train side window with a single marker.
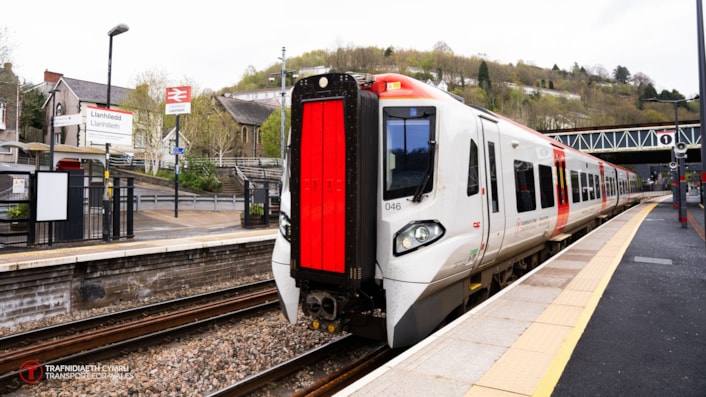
(524, 186)
(546, 185)
(575, 188)
(493, 177)
(584, 186)
(591, 187)
(598, 186)
(473, 186)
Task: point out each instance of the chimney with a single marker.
(52, 77)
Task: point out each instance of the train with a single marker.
(402, 207)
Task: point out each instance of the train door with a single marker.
(562, 190)
(601, 187)
(494, 230)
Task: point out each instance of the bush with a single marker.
(198, 174)
(18, 211)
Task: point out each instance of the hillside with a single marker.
(541, 98)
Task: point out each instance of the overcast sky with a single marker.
(212, 43)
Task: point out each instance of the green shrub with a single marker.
(18, 211)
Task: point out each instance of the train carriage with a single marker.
(402, 206)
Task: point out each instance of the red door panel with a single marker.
(323, 172)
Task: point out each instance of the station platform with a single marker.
(155, 231)
(621, 312)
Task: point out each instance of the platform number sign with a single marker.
(665, 138)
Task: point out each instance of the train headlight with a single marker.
(285, 226)
(417, 234)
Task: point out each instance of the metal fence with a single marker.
(85, 217)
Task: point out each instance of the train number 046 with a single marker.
(393, 206)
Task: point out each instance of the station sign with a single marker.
(178, 100)
(108, 126)
(666, 138)
(67, 119)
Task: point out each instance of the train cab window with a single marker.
(524, 186)
(473, 186)
(409, 151)
(575, 188)
(546, 186)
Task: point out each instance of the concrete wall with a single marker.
(38, 292)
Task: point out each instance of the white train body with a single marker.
(458, 203)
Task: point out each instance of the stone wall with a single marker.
(35, 293)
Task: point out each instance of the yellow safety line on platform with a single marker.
(556, 368)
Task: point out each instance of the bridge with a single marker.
(633, 144)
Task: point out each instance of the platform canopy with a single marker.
(62, 151)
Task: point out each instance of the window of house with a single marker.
(245, 134)
(3, 116)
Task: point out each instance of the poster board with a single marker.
(52, 196)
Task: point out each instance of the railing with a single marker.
(203, 203)
(225, 162)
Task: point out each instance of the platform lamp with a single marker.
(678, 154)
(702, 92)
(116, 30)
(52, 134)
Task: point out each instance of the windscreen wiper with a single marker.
(418, 194)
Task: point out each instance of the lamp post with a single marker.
(680, 193)
(702, 93)
(283, 77)
(283, 80)
(52, 134)
(116, 30)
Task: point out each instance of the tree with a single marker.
(32, 115)
(484, 77)
(146, 102)
(5, 47)
(223, 133)
(621, 74)
(271, 131)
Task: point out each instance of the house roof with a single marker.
(247, 112)
(95, 92)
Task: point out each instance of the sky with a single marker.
(210, 44)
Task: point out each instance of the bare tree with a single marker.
(5, 46)
(146, 103)
(223, 133)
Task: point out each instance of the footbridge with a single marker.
(633, 144)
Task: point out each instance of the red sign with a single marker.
(178, 94)
(178, 100)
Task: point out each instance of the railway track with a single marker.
(350, 369)
(147, 325)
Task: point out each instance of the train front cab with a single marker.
(333, 188)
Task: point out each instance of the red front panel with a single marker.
(323, 172)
